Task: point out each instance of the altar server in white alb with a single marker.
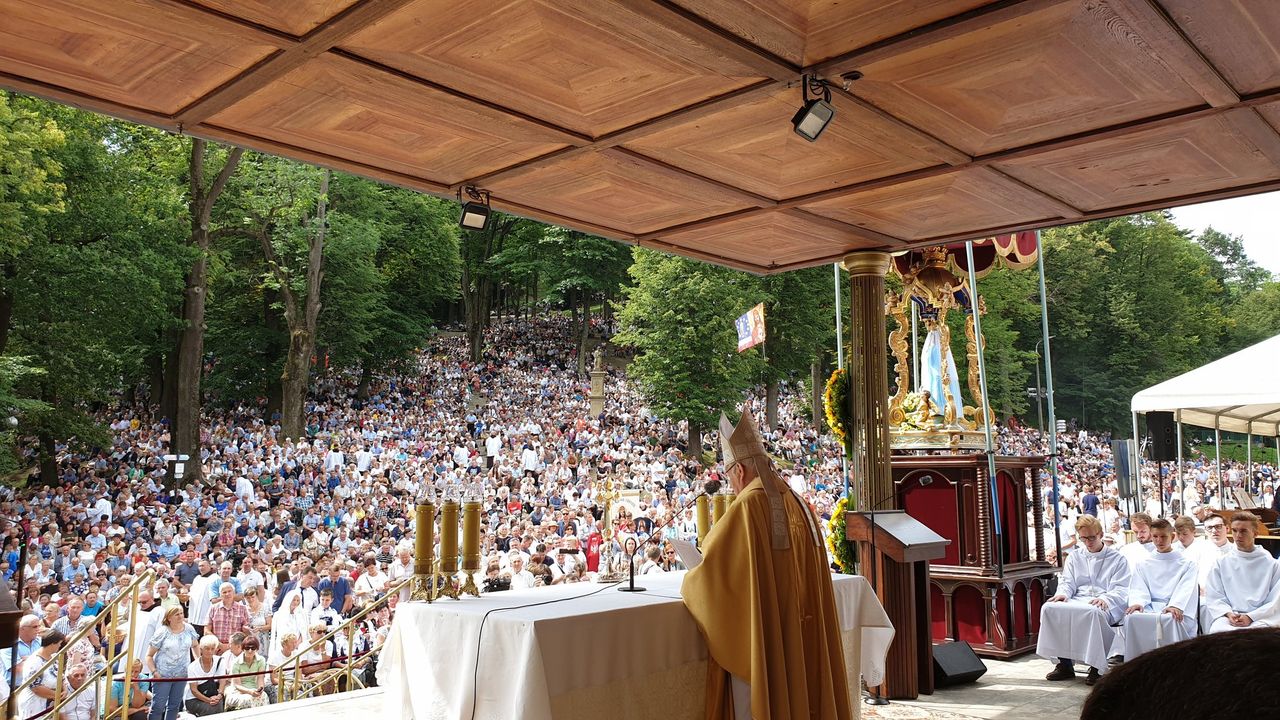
(1163, 595)
(1075, 624)
(1141, 548)
(1244, 586)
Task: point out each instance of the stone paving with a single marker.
(1011, 690)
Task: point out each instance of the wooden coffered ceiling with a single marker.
(667, 122)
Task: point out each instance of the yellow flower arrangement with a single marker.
(835, 403)
(837, 538)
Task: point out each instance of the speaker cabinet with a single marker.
(955, 663)
(1164, 436)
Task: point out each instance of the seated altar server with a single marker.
(1163, 597)
(1141, 548)
(763, 598)
(1075, 624)
(1244, 585)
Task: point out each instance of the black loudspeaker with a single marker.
(955, 663)
(1164, 436)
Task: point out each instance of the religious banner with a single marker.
(750, 328)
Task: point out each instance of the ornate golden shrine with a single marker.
(915, 420)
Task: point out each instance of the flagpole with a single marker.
(844, 459)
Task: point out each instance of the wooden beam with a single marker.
(704, 223)
(709, 35)
(187, 12)
(1147, 26)
(274, 67)
(741, 96)
(87, 103)
(712, 258)
(551, 218)
(936, 32)
(940, 149)
(1063, 208)
(878, 238)
(272, 147)
(681, 175)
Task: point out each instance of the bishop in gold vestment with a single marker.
(763, 599)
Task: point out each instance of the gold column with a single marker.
(869, 379)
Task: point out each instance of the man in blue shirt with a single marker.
(340, 587)
(28, 642)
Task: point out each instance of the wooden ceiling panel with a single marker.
(1060, 69)
(344, 109)
(138, 53)
(619, 191)
(805, 32)
(1240, 37)
(1198, 156)
(588, 66)
(964, 200)
(296, 17)
(753, 146)
(755, 240)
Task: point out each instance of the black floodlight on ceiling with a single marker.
(475, 211)
(817, 112)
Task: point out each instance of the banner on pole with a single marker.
(750, 328)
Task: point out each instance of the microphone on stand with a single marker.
(710, 487)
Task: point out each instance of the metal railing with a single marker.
(289, 686)
(126, 603)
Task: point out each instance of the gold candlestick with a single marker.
(449, 543)
(424, 547)
(704, 517)
(719, 504)
(471, 536)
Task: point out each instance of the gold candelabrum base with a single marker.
(423, 587)
(469, 586)
(449, 587)
(940, 438)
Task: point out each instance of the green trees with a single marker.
(679, 316)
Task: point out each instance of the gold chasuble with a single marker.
(769, 615)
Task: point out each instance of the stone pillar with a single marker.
(869, 380)
(597, 392)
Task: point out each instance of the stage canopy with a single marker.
(668, 123)
(1241, 391)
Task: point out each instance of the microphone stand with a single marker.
(631, 556)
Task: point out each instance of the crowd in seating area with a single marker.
(284, 538)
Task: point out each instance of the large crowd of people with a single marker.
(283, 538)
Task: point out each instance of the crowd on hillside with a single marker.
(284, 538)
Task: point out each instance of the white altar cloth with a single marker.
(580, 651)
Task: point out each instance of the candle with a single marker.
(449, 537)
(471, 537)
(718, 507)
(424, 540)
(704, 517)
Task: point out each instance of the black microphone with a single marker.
(710, 487)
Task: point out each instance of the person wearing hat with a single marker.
(763, 598)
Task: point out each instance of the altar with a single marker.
(580, 651)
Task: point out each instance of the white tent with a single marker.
(1239, 393)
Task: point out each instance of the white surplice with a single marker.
(1135, 552)
(1075, 629)
(1247, 583)
(1161, 581)
(1205, 555)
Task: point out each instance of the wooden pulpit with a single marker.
(894, 554)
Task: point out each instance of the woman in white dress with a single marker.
(290, 618)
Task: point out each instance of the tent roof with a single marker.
(667, 123)
(1242, 390)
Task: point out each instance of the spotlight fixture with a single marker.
(817, 112)
(475, 211)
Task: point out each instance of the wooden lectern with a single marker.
(895, 554)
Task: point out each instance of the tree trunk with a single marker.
(362, 388)
(815, 397)
(771, 404)
(274, 394)
(693, 442)
(302, 323)
(48, 460)
(6, 305)
(582, 335)
(169, 388)
(155, 373)
(189, 350)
